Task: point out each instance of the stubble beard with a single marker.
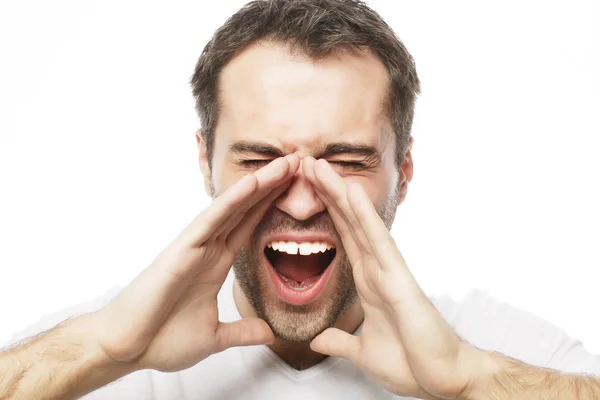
(299, 323)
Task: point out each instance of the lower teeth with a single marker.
(293, 283)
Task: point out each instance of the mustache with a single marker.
(276, 221)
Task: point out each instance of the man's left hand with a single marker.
(405, 344)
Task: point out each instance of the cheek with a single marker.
(378, 187)
(225, 176)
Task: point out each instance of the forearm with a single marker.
(506, 378)
(62, 363)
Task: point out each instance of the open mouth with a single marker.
(299, 270)
(299, 265)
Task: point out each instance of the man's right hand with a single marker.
(167, 318)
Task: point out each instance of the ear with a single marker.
(406, 172)
(204, 164)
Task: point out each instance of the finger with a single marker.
(336, 189)
(315, 174)
(240, 233)
(269, 178)
(237, 199)
(340, 223)
(245, 332)
(230, 224)
(376, 233)
(308, 165)
(218, 211)
(337, 343)
(259, 196)
(266, 176)
(384, 249)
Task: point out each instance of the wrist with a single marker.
(94, 368)
(67, 362)
(86, 329)
(483, 366)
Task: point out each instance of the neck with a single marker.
(299, 355)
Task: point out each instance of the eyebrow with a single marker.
(339, 148)
(265, 149)
(368, 152)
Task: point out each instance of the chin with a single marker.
(300, 285)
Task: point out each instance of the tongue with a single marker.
(299, 268)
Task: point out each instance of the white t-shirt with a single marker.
(257, 373)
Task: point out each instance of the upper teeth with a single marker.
(305, 248)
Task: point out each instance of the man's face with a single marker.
(294, 272)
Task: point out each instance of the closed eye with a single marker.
(355, 165)
(254, 163)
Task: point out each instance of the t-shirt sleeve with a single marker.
(493, 325)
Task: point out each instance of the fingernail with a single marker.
(290, 158)
(323, 162)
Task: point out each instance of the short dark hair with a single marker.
(317, 28)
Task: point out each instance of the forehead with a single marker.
(292, 101)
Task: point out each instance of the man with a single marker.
(305, 146)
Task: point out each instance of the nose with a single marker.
(300, 201)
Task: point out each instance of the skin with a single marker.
(167, 318)
(405, 345)
(299, 106)
(177, 325)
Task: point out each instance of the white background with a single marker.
(99, 170)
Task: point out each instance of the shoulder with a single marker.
(496, 325)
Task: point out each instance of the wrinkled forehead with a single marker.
(295, 103)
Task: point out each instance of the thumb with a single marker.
(245, 332)
(337, 343)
